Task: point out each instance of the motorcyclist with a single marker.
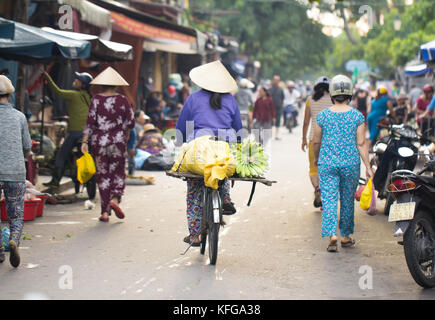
(291, 98)
(244, 99)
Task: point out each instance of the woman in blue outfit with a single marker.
(379, 108)
(209, 111)
(339, 142)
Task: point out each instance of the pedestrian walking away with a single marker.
(16, 142)
(313, 106)
(277, 95)
(77, 107)
(109, 119)
(211, 109)
(264, 116)
(379, 108)
(339, 142)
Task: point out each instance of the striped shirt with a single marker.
(316, 107)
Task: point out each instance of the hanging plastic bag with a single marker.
(85, 168)
(366, 196)
(372, 209)
(362, 184)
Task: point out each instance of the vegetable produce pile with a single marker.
(252, 160)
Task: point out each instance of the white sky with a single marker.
(333, 25)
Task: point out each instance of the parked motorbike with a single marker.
(396, 151)
(414, 215)
(290, 117)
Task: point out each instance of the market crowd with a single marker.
(121, 140)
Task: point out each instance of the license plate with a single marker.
(401, 211)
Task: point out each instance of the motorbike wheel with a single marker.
(418, 243)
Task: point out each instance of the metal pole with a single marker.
(44, 91)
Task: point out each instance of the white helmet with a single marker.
(340, 85)
(324, 80)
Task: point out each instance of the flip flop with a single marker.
(187, 240)
(348, 244)
(117, 209)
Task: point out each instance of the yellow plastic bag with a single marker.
(207, 157)
(85, 168)
(366, 196)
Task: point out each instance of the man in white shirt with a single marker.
(291, 96)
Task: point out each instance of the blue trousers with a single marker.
(14, 195)
(335, 181)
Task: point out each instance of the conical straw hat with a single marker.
(109, 77)
(213, 77)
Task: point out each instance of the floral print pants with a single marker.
(335, 181)
(14, 195)
(110, 165)
(195, 191)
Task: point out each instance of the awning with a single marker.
(90, 12)
(33, 43)
(417, 70)
(427, 51)
(101, 50)
(122, 23)
(7, 29)
(153, 45)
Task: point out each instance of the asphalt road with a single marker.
(270, 250)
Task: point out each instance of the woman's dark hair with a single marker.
(4, 96)
(341, 98)
(107, 88)
(216, 100)
(320, 90)
(137, 114)
(265, 91)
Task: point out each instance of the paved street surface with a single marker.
(270, 250)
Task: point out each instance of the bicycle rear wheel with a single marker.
(203, 242)
(213, 240)
(213, 227)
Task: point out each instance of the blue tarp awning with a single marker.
(417, 70)
(34, 43)
(427, 51)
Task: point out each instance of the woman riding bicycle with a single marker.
(210, 110)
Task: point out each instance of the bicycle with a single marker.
(211, 220)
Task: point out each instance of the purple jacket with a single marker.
(198, 118)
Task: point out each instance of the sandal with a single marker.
(103, 219)
(347, 244)
(193, 244)
(228, 208)
(332, 247)
(117, 209)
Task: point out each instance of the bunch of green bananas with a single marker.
(252, 160)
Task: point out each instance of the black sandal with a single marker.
(333, 246)
(187, 240)
(347, 244)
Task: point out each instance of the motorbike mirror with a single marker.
(405, 152)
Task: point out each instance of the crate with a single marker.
(30, 209)
(40, 209)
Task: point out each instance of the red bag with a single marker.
(359, 192)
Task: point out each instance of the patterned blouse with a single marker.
(108, 120)
(338, 146)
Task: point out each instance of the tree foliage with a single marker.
(278, 34)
